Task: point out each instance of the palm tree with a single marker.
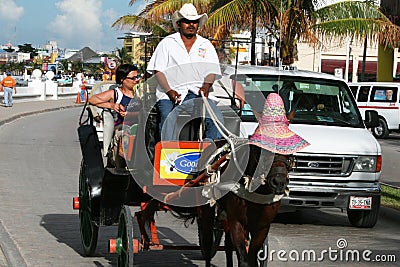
(288, 20)
(154, 18)
(123, 56)
(229, 16)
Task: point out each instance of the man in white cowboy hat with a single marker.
(185, 65)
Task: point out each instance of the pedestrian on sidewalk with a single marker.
(8, 84)
(83, 88)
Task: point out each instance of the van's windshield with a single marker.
(307, 100)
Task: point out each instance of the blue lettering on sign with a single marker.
(187, 163)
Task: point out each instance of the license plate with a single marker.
(360, 203)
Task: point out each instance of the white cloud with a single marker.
(78, 24)
(110, 16)
(9, 11)
(10, 14)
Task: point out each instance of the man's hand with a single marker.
(174, 96)
(204, 90)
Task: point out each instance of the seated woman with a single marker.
(120, 101)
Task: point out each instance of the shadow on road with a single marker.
(65, 228)
(314, 216)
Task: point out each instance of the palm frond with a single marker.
(137, 23)
(356, 19)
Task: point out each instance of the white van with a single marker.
(382, 97)
(342, 166)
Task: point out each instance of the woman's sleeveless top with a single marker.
(130, 105)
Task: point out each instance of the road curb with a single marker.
(390, 185)
(9, 249)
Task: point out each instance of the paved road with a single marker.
(9, 254)
(391, 155)
(40, 159)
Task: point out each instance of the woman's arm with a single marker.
(106, 100)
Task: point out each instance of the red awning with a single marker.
(370, 67)
(329, 65)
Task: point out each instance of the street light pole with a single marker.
(143, 37)
(82, 59)
(348, 51)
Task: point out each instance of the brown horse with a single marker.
(248, 215)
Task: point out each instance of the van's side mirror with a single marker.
(371, 119)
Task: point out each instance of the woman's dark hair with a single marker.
(123, 71)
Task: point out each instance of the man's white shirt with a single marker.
(184, 71)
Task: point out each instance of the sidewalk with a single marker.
(9, 254)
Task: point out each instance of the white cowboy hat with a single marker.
(188, 11)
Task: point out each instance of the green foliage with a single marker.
(390, 197)
(27, 48)
(14, 66)
(123, 56)
(9, 49)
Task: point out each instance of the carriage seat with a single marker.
(189, 127)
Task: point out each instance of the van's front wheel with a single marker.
(382, 131)
(365, 218)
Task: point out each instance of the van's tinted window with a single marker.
(363, 94)
(384, 94)
(306, 100)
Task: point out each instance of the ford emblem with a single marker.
(187, 163)
(313, 164)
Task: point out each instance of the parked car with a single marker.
(382, 97)
(67, 81)
(342, 166)
(21, 82)
(56, 77)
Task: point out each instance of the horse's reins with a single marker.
(222, 152)
(230, 137)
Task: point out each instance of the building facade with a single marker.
(344, 59)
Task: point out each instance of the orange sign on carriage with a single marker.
(176, 161)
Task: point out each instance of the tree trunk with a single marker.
(253, 34)
(364, 59)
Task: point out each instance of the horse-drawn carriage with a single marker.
(230, 185)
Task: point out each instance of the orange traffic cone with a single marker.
(78, 99)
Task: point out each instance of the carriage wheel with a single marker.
(217, 236)
(125, 238)
(88, 227)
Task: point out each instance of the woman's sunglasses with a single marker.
(134, 77)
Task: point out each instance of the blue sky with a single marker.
(72, 23)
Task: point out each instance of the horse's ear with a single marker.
(287, 159)
(291, 162)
